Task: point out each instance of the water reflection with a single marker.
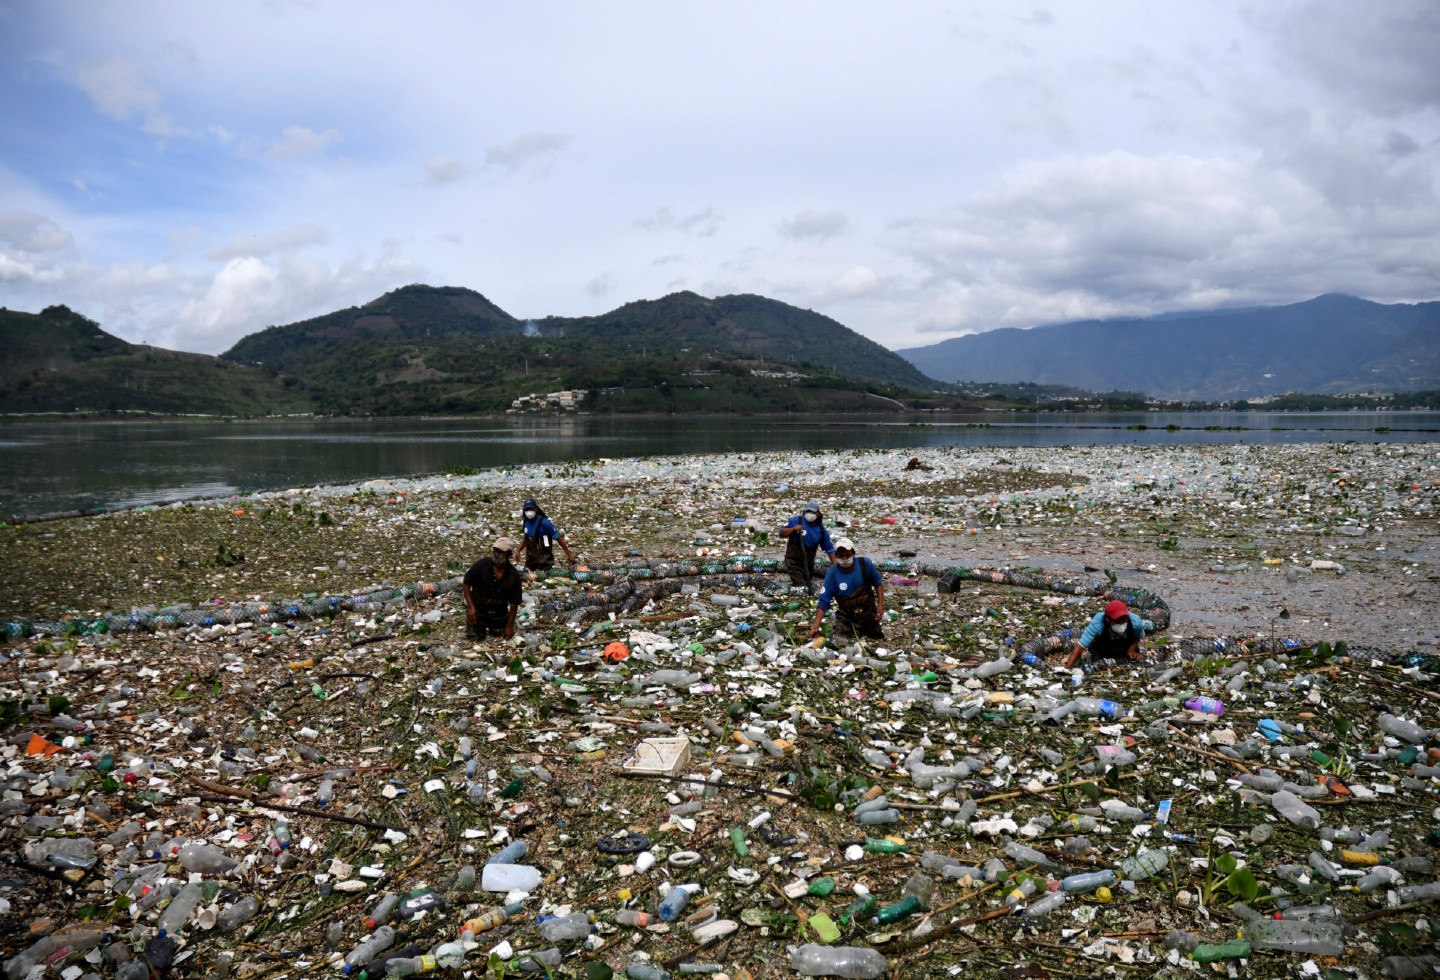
(56, 467)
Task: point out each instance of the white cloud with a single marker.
(602, 285)
(301, 141)
(703, 223)
(27, 231)
(445, 170)
(528, 150)
(119, 88)
(285, 240)
(817, 225)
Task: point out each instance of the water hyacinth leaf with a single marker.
(1226, 864)
(1241, 884)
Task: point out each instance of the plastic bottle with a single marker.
(1088, 881)
(238, 914)
(560, 928)
(673, 904)
(540, 961)
(383, 911)
(920, 885)
(491, 920)
(1417, 965)
(1180, 939)
(326, 792)
(1018, 895)
(1114, 755)
(177, 913)
(881, 845)
(404, 966)
(1097, 706)
(1207, 706)
(1420, 893)
(1294, 809)
(371, 947)
(1047, 903)
(634, 917)
(644, 971)
(875, 818)
(509, 877)
(908, 905)
(1233, 950)
(509, 854)
(1146, 863)
(195, 856)
(1296, 936)
(853, 962)
(420, 900)
(1404, 730)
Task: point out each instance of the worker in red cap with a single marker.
(1114, 634)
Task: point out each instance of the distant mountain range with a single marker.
(1331, 344)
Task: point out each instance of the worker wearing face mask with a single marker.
(541, 536)
(805, 534)
(1114, 634)
(492, 593)
(854, 585)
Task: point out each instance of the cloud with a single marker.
(445, 170)
(601, 285)
(285, 240)
(1120, 234)
(703, 224)
(26, 231)
(528, 150)
(1380, 56)
(818, 225)
(118, 87)
(298, 142)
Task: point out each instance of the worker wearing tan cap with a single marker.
(492, 593)
(854, 585)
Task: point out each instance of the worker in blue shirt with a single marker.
(541, 536)
(805, 534)
(1113, 634)
(855, 586)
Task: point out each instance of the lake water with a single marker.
(65, 466)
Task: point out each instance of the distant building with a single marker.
(554, 401)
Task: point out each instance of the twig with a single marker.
(225, 794)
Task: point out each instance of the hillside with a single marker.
(1330, 344)
(59, 361)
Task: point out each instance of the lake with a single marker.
(50, 467)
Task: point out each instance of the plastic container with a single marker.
(634, 917)
(1311, 936)
(205, 858)
(1404, 730)
(673, 904)
(177, 913)
(376, 943)
(490, 920)
(1207, 706)
(510, 877)
(1088, 881)
(562, 928)
(853, 962)
(383, 911)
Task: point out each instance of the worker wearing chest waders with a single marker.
(1113, 634)
(541, 536)
(805, 535)
(855, 586)
(492, 593)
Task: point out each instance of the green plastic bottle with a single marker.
(861, 908)
(1233, 950)
(737, 839)
(879, 845)
(908, 905)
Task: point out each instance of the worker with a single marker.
(541, 536)
(492, 593)
(806, 534)
(855, 586)
(1113, 634)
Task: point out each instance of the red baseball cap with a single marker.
(1115, 609)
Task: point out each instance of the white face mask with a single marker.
(845, 563)
(811, 517)
(530, 514)
(1118, 628)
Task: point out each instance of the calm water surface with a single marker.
(50, 467)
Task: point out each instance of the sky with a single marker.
(188, 173)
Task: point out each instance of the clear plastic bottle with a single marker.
(920, 885)
(383, 911)
(1295, 810)
(1098, 706)
(1047, 903)
(509, 854)
(555, 928)
(1296, 936)
(852, 962)
(1404, 730)
(637, 918)
(238, 914)
(404, 966)
(177, 913)
(1420, 893)
(509, 877)
(874, 818)
(540, 961)
(1146, 863)
(195, 856)
(1088, 881)
(417, 901)
(368, 949)
(646, 971)
(326, 792)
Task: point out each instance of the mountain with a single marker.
(59, 361)
(1330, 344)
(751, 326)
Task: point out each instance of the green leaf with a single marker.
(1398, 937)
(1241, 883)
(598, 971)
(1110, 576)
(517, 666)
(1342, 726)
(1226, 864)
(1284, 614)
(59, 704)
(1091, 791)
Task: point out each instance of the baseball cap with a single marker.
(503, 544)
(844, 544)
(1115, 609)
